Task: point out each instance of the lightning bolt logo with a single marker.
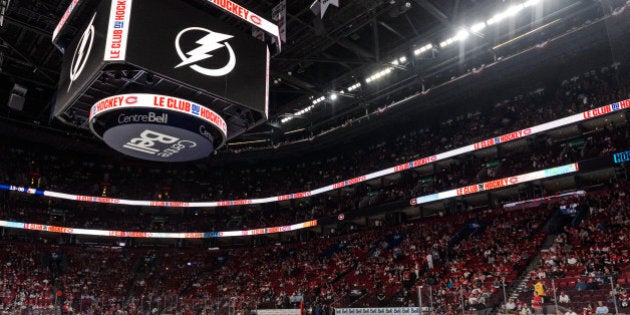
(208, 43)
(82, 52)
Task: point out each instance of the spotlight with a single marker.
(478, 27)
(462, 35)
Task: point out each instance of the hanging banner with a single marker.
(319, 7)
(279, 14)
(258, 34)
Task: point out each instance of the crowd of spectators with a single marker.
(365, 268)
(460, 261)
(587, 263)
(63, 172)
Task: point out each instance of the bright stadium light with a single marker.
(447, 42)
(333, 96)
(399, 61)
(511, 11)
(4, 5)
(495, 19)
(462, 35)
(514, 10)
(354, 87)
(478, 27)
(422, 49)
(379, 74)
(530, 3)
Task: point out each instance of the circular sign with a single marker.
(157, 127)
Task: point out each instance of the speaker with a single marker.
(16, 100)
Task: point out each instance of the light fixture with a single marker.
(511, 11)
(530, 3)
(462, 35)
(447, 42)
(354, 87)
(4, 5)
(514, 9)
(478, 27)
(422, 49)
(379, 74)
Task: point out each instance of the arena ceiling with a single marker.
(321, 56)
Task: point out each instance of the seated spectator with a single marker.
(580, 285)
(510, 306)
(624, 298)
(563, 298)
(601, 308)
(588, 309)
(592, 284)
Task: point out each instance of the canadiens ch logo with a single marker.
(209, 42)
(82, 52)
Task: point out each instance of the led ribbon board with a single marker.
(157, 127)
(496, 184)
(248, 16)
(539, 199)
(621, 157)
(133, 234)
(63, 20)
(597, 112)
(381, 310)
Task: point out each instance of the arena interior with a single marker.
(314, 157)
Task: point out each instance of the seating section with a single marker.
(590, 256)
(38, 167)
(461, 258)
(25, 281)
(471, 254)
(501, 244)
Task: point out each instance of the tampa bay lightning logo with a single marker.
(211, 41)
(82, 52)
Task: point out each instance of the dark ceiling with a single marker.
(320, 55)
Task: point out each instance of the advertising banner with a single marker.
(157, 127)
